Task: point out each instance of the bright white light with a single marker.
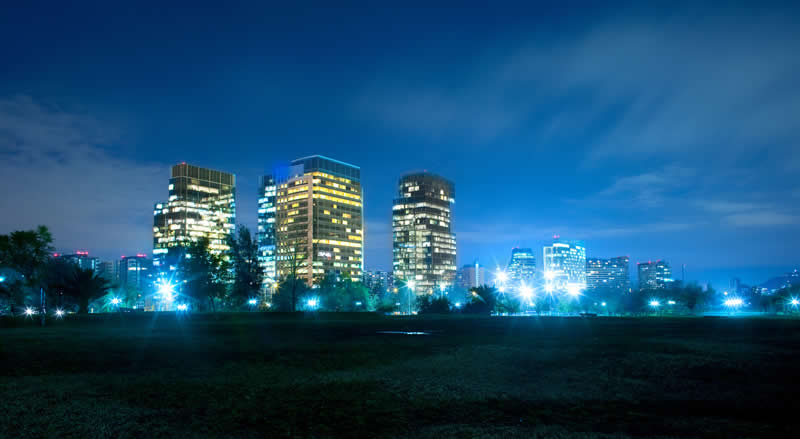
(166, 288)
(28, 311)
(501, 276)
(501, 289)
(312, 303)
(526, 292)
(655, 303)
(671, 302)
(794, 302)
(734, 303)
(358, 303)
(115, 301)
(268, 305)
(59, 313)
(574, 290)
(549, 288)
(2, 278)
(182, 307)
(252, 301)
(411, 284)
(603, 304)
(457, 304)
(549, 275)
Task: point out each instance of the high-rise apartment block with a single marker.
(318, 223)
(135, 272)
(565, 266)
(82, 260)
(267, 244)
(654, 275)
(201, 204)
(424, 245)
(608, 274)
(522, 267)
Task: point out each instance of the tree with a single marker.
(288, 294)
(427, 304)
(248, 276)
(291, 255)
(694, 297)
(84, 286)
(206, 273)
(342, 294)
(482, 300)
(507, 304)
(26, 251)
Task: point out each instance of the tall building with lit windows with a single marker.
(522, 266)
(564, 266)
(319, 219)
(267, 194)
(202, 203)
(424, 245)
(654, 275)
(608, 274)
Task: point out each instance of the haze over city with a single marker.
(658, 132)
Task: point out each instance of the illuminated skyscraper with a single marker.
(424, 246)
(83, 260)
(319, 219)
(202, 203)
(522, 267)
(266, 229)
(608, 274)
(565, 266)
(654, 275)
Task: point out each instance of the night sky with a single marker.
(670, 132)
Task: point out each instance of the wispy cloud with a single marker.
(57, 172)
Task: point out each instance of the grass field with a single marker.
(262, 375)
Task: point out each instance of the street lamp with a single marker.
(59, 313)
(501, 277)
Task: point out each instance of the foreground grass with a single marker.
(256, 375)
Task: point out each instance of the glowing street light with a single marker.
(670, 302)
(655, 303)
(115, 301)
(549, 288)
(501, 289)
(574, 290)
(59, 313)
(526, 292)
(411, 284)
(252, 301)
(457, 304)
(182, 307)
(28, 311)
(794, 302)
(549, 275)
(603, 304)
(2, 279)
(734, 303)
(312, 303)
(501, 276)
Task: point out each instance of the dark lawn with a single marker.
(259, 375)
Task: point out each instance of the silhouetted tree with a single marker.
(25, 251)
(482, 300)
(248, 276)
(84, 286)
(207, 274)
(427, 304)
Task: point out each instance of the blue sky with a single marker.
(666, 132)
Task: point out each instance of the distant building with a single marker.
(522, 267)
(135, 272)
(202, 203)
(82, 260)
(319, 219)
(424, 245)
(372, 278)
(471, 276)
(654, 275)
(564, 266)
(105, 269)
(608, 274)
(267, 244)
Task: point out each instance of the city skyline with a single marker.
(640, 134)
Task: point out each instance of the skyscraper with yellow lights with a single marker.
(202, 203)
(319, 220)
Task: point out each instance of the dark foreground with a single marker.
(260, 375)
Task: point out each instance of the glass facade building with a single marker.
(267, 193)
(318, 221)
(471, 276)
(424, 246)
(202, 203)
(654, 275)
(83, 260)
(608, 274)
(522, 267)
(564, 266)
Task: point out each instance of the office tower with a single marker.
(565, 266)
(266, 230)
(135, 272)
(654, 275)
(106, 270)
(319, 220)
(82, 260)
(522, 267)
(424, 246)
(202, 203)
(471, 276)
(608, 274)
